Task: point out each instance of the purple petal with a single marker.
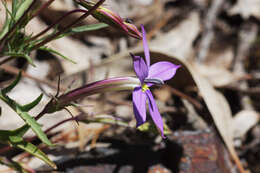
(139, 105)
(146, 49)
(162, 70)
(140, 67)
(155, 114)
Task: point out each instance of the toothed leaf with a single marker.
(13, 139)
(34, 125)
(32, 149)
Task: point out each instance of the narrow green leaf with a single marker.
(34, 125)
(86, 28)
(15, 139)
(32, 149)
(23, 7)
(57, 53)
(21, 130)
(21, 55)
(5, 27)
(27, 119)
(10, 138)
(29, 59)
(31, 105)
(106, 119)
(14, 6)
(12, 85)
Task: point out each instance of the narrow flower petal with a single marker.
(155, 114)
(162, 70)
(146, 48)
(140, 67)
(139, 105)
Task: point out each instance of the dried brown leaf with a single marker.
(216, 103)
(246, 8)
(244, 121)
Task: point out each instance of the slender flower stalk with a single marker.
(148, 75)
(112, 84)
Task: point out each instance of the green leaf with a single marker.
(13, 139)
(22, 130)
(5, 27)
(150, 127)
(9, 137)
(23, 7)
(15, 4)
(106, 119)
(23, 114)
(57, 53)
(34, 125)
(21, 55)
(31, 105)
(12, 85)
(86, 28)
(32, 149)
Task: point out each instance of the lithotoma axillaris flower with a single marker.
(148, 75)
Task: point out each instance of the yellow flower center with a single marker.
(145, 87)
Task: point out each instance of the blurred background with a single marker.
(210, 107)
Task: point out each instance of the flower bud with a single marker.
(109, 17)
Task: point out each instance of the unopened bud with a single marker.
(111, 18)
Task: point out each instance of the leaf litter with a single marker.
(210, 81)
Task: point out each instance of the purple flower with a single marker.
(148, 76)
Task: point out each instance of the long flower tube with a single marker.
(107, 85)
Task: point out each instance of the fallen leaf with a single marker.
(246, 8)
(217, 76)
(244, 121)
(181, 35)
(216, 103)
